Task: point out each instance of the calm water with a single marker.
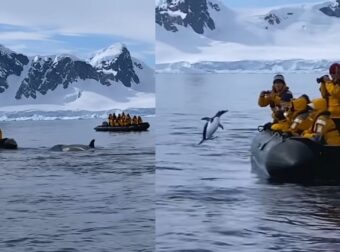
(208, 199)
(99, 200)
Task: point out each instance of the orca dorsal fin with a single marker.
(91, 145)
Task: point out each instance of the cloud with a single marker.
(133, 19)
(20, 35)
(142, 55)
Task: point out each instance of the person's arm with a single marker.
(333, 89)
(263, 100)
(323, 90)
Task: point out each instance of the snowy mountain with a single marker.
(110, 77)
(216, 33)
(190, 13)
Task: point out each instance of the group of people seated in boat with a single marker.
(122, 120)
(314, 119)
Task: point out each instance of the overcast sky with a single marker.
(79, 27)
(264, 3)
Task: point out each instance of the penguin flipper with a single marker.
(206, 118)
(204, 136)
(220, 125)
(221, 112)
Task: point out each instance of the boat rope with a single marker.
(264, 127)
(262, 146)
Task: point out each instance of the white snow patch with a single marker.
(106, 54)
(109, 71)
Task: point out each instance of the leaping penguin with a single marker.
(212, 125)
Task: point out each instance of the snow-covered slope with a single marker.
(300, 31)
(111, 78)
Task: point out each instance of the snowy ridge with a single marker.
(247, 66)
(37, 115)
(296, 31)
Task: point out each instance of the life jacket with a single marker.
(297, 107)
(324, 128)
(299, 112)
(301, 123)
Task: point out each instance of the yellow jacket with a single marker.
(297, 107)
(278, 102)
(323, 129)
(331, 92)
(139, 120)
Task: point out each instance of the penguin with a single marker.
(211, 125)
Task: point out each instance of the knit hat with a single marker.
(279, 77)
(333, 68)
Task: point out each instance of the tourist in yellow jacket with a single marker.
(139, 120)
(134, 120)
(278, 98)
(330, 90)
(110, 120)
(295, 117)
(323, 128)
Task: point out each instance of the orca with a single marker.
(73, 147)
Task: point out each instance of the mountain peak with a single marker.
(193, 13)
(108, 53)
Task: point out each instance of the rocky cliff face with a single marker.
(10, 63)
(332, 10)
(187, 13)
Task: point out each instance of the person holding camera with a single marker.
(278, 99)
(330, 90)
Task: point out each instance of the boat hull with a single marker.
(8, 143)
(294, 158)
(139, 127)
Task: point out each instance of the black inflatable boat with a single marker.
(8, 143)
(284, 158)
(135, 127)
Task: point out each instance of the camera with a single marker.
(322, 79)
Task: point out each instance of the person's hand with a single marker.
(323, 79)
(263, 93)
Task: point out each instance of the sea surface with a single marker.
(208, 196)
(98, 200)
